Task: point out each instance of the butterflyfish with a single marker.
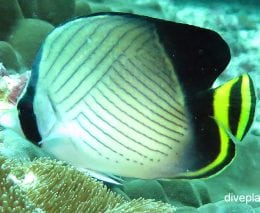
(132, 96)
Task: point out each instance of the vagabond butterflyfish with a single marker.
(132, 96)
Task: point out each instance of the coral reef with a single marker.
(7, 54)
(54, 12)
(46, 185)
(26, 40)
(24, 24)
(12, 199)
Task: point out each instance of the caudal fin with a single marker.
(220, 116)
(234, 106)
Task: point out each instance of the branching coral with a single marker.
(52, 186)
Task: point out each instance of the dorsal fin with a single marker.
(198, 55)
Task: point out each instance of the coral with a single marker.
(52, 186)
(12, 198)
(221, 206)
(26, 40)
(10, 13)
(8, 56)
(239, 25)
(172, 191)
(54, 12)
(82, 8)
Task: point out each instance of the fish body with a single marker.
(131, 96)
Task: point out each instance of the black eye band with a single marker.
(28, 120)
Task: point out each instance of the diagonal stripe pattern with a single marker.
(112, 79)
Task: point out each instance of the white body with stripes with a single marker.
(107, 99)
